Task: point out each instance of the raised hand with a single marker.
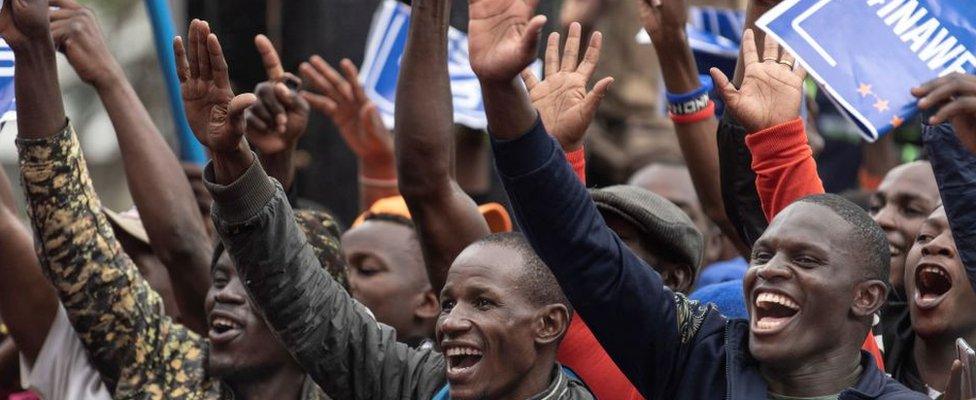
(502, 37)
(279, 118)
(23, 22)
(76, 34)
(771, 90)
(561, 98)
(955, 97)
(344, 101)
(214, 114)
(663, 18)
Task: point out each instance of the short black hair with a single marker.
(394, 218)
(873, 245)
(539, 285)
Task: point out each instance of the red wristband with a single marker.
(577, 159)
(701, 115)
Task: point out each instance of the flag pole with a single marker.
(163, 33)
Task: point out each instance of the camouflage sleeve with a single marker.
(118, 317)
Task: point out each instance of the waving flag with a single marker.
(868, 54)
(381, 67)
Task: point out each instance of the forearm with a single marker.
(163, 197)
(447, 220)
(743, 208)
(955, 172)
(40, 109)
(784, 165)
(28, 303)
(331, 335)
(603, 279)
(424, 114)
(508, 108)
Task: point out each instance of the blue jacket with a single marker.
(955, 172)
(676, 348)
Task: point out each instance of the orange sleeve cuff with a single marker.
(577, 159)
(775, 139)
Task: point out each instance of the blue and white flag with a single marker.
(868, 54)
(381, 67)
(8, 106)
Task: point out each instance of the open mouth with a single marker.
(223, 330)
(462, 361)
(932, 283)
(773, 311)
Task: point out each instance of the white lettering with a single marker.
(888, 8)
(941, 49)
(906, 17)
(958, 65)
(921, 34)
(875, 2)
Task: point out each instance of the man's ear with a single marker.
(869, 296)
(552, 321)
(429, 307)
(680, 278)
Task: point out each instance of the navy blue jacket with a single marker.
(668, 346)
(955, 172)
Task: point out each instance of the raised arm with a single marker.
(695, 130)
(28, 303)
(768, 106)
(343, 100)
(446, 218)
(331, 335)
(605, 281)
(950, 137)
(158, 186)
(111, 307)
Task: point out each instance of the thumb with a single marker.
(593, 99)
(725, 88)
(235, 112)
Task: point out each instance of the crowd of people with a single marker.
(727, 271)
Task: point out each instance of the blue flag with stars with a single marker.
(868, 54)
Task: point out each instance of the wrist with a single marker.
(35, 52)
(230, 165)
(110, 78)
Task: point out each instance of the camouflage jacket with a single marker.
(139, 352)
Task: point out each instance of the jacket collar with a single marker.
(744, 381)
(558, 387)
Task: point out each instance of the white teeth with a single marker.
(784, 301)
(935, 270)
(462, 351)
(219, 322)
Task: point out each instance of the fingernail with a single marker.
(281, 119)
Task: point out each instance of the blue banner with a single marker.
(381, 67)
(868, 54)
(8, 105)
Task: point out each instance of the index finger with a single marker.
(269, 57)
(352, 76)
(749, 52)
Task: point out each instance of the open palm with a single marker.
(564, 104)
(214, 114)
(502, 37)
(771, 90)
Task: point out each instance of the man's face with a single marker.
(676, 275)
(387, 275)
(487, 327)
(940, 297)
(800, 287)
(906, 196)
(241, 344)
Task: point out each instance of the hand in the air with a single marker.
(23, 22)
(278, 119)
(771, 91)
(345, 102)
(502, 37)
(955, 97)
(77, 34)
(561, 98)
(663, 18)
(215, 115)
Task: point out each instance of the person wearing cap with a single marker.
(386, 267)
(656, 230)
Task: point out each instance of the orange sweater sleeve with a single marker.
(784, 166)
(785, 172)
(577, 159)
